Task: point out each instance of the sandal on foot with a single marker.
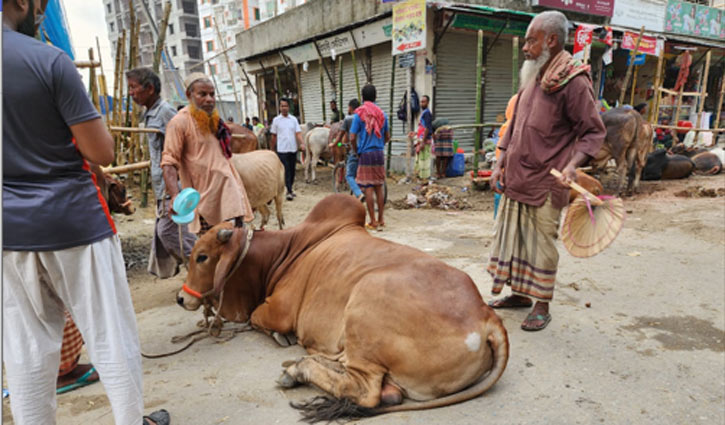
(80, 382)
(510, 302)
(369, 226)
(381, 226)
(161, 417)
(543, 318)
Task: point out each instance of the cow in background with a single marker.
(243, 139)
(628, 141)
(113, 191)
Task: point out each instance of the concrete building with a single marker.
(320, 34)
(183, 38)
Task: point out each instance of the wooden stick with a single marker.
(654, 110)
(719, 102)
(684, 93)
(117, 129)
(162, 37)
(87, 64)
(703, 88)
(674, 127)
(479, 66)
(299, 92)
(632, 54)
(123, 169)
(357, 79)
(390, 122)
(102, 79)
(634, 85)
(593, 199)
(322, 91)
(93, 83)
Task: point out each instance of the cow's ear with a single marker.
(231, 250)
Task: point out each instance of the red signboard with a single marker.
(582, 38)
(590, 7)
(648, 45)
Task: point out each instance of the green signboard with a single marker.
(471, 22)
(695, 20)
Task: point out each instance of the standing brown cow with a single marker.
(628, 141)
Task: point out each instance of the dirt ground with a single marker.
(637, 334)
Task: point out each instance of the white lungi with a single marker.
(89, 281)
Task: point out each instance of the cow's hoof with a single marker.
(284, 340)
(286, 381)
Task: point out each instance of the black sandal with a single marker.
(509, 302)
(161, 417)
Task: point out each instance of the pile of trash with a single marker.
(432, 195)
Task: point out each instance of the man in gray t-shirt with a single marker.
(60, 248)
(144, 86)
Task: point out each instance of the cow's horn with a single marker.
(223, 235)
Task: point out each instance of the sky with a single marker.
(86, 21)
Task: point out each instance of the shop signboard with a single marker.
(635, 13)
(409, 31)
(582, 39)
(648, 45)
(694, 20)
(476, 22)
(590, 7)
(638, 60)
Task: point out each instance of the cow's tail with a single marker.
(329, 409)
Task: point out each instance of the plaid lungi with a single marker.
(524, 253)
(70, 351)
(371, 169)
(444, 142)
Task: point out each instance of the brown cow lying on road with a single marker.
(628, 141)
(381, 321)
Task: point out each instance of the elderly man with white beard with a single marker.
(555, 125)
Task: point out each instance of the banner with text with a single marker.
(648, 45)
(695, 20)
(408, 26)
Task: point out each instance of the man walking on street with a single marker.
(60, 247)
(286, 134)
(555, 125)
(197, 151)
(144, 86)
(368, 136)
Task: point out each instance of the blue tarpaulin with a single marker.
(54, 28)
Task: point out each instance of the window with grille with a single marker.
(207, 22)
(191, 30)
(210, 46)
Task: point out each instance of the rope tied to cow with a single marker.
(215, 327)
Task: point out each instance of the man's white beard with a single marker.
(531, 68)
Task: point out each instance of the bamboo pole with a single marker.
(223, 45)
(87, 64)
(118, 94)
(277, 91)
(102, 78)
(117, 129)
(477, 135)
(162, 37)
(719, 102)
(634, 85)
(703, 93)
(632, 54)
(674, 127)
(515, 64)
(123, 169)
(339, 91)
(299, 92)
(675, 93)
(654, 110)
(93, 83)
(357, 79)
(322, 92)
(391, 120)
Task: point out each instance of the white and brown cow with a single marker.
(381, 321)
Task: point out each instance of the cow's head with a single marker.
(214, 258)
(118, 200)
